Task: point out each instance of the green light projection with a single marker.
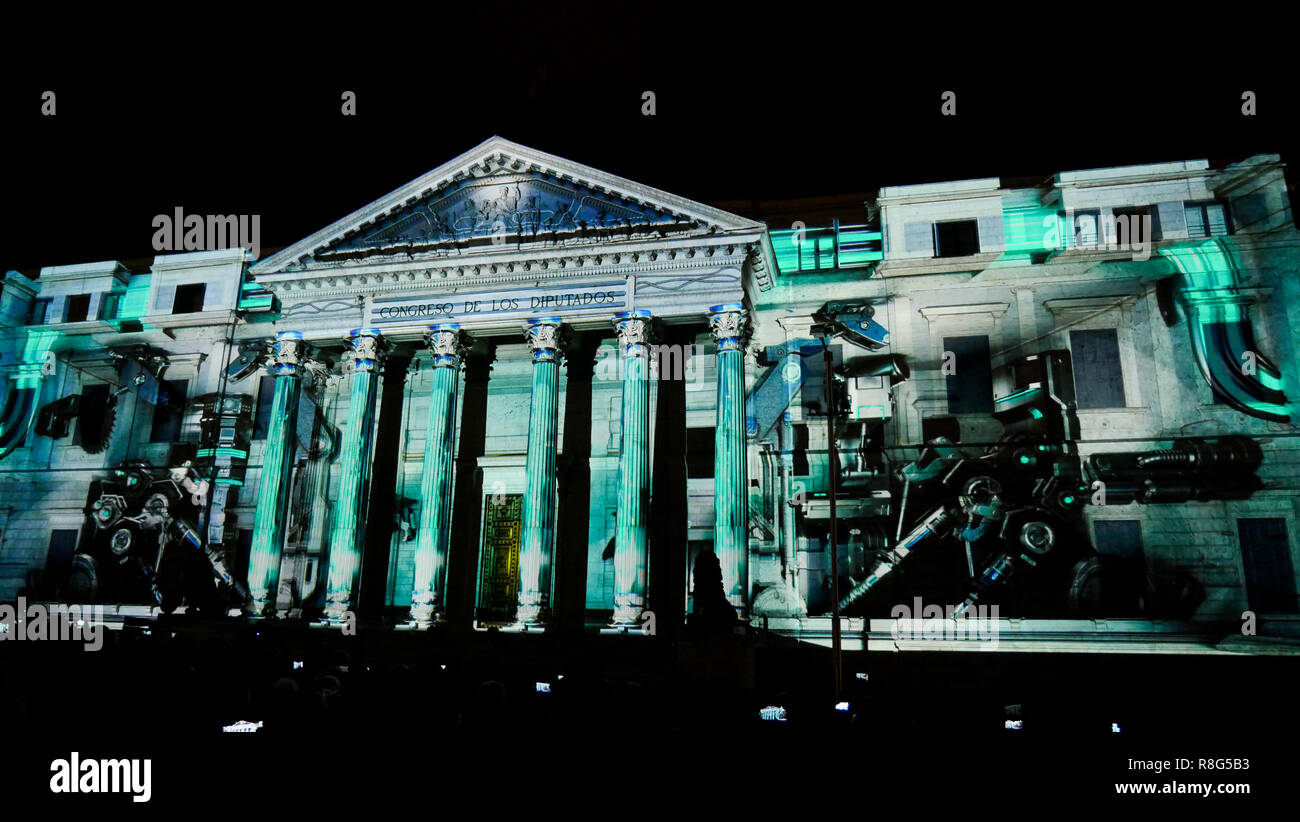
(1209, 287)
(347, 530)
(633, 469)
(537, 538)
(729, 324)
(277, 467)
(434, 537)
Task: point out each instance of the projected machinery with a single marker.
(145, 547)
(1010, 511)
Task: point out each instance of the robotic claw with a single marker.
(1014, 503)
(144, 546)
(1020, 503)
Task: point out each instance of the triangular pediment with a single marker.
(504, 194)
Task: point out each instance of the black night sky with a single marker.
(826, 103)
(228, 113)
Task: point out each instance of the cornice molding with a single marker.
(477, 275)
(935, 312)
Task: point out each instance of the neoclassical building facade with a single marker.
(522, 393)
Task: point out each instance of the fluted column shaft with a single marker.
(272, 513)
(434, 538)
(537, 538)
(729, 324)
(347, 531)
(633, 469)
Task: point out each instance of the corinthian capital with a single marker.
(547, 337)
(634, 328)
(287, 352)
(367, 350)
(730, 326)
(448, 344)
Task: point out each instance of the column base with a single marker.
(425, 613)
(627, 616)
(339, 611)
(529, 619)
(617, 629)
(260, 607)
(422, 622)
(524, 628)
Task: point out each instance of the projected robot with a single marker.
(145, 547)
(1018, 506)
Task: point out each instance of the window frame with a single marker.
(938, 248)
(182, 287)
(1202, 206)
(180, 416)
(1119, 361)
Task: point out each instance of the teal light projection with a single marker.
(537, 537)
(277, 466)
(730, 325)
(1209, 288)
(633, 329)
(1030, 230)
(434, 537)
(22, 398)
(347, 531)
(826, 248)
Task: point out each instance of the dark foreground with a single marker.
(458, 723)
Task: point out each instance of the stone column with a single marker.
(729, 324)
(277, 468)
(364, 359)
(434, 537)
(633, 329)
(537, 540)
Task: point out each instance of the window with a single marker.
(169, 411)
(1133, 226)
(109, 305)
(970, 386)
(189, 298)
(1266, 557)
(699, 452)
(934, 427)
(1118, 538)
(1206, 219)
(91, 415)
(956, 238)
(262, 416)
(1083, 233)
(76, 308)
(1098, 377)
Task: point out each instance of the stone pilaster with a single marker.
(730, 326)
(364, 360)
(434, 537)
(633, 329)
(272, 513)
(545, 336)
